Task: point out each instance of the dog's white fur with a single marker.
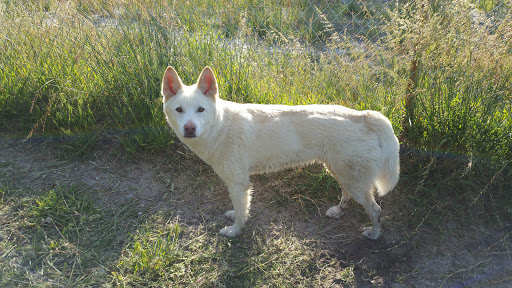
(359, 148)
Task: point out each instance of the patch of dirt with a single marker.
(462, 255)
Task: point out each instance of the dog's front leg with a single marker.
(240, 195)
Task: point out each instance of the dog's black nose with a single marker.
(190, 129)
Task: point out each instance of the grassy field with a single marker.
(83, 77)
(81, 67)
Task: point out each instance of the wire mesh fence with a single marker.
(436, 68)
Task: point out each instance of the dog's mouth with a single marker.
(190, 135)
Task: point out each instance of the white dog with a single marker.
(359, 148)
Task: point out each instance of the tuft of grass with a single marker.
(490, 5)
(147, 139)
(79, 145)
(57, 236)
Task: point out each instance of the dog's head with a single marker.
(189, 110)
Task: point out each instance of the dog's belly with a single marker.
(261, 169)
(272, 162)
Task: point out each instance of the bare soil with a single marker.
(455, 254)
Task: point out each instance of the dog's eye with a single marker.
(179, 110)
(201, 109)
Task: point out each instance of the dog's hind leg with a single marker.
(240, 195)
(363, 194)
(373, 210)
(356, 181)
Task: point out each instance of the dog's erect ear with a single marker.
(207, 83)
(171, 84)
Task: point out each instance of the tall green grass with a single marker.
(68, 74)
(85, 66)
(462, 96)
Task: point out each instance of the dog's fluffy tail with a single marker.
(390, 147)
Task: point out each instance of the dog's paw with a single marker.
(370, 233)
(334, 212)
(230, 231)
(230, 214)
